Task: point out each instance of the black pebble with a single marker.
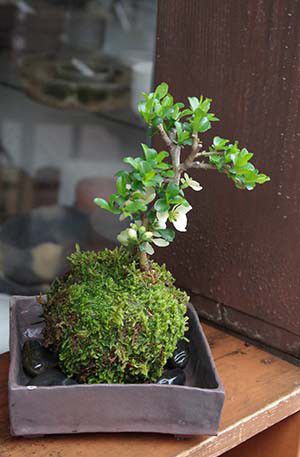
(175, 377)
(51, 377)
(36, 359)
(180, 356)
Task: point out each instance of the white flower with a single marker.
(187, 181)
(162, 218)
(178, 217)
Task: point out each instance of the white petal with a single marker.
(181, 209)
(195, 186)
(162, 219)
(180, 222)
(160, 242)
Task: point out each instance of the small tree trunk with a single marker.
(144, 261)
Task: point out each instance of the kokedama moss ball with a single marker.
(110, 322)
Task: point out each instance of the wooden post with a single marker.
(240, 259)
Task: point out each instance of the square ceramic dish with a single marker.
(192, 409)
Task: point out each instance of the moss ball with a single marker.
(110, 322)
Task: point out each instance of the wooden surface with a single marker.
(281, 440)
(242, 249)
(261, 390)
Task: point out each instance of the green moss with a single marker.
(111, 322)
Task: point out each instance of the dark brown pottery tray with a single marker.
(192, 409)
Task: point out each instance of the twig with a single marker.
(208, 154)
(203, 165)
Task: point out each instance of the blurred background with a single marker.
(71, 72)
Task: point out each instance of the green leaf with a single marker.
(161, 90)
(135, 207)
(161, 156)
(163, 166)
(121, 185)
(102, 203)
(167, 101)
(172, 190)
(185, 112)
(167, 234)
(160, 242)
(150, 153)
(161, 205)
(169, 174)
(157, 120)
(219, 143)
(178, 127)
(132, 162)
(262, 178)
(146, 247)
(204, 125)
(194, 102)
(205, 105)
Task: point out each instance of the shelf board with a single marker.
(261, 390)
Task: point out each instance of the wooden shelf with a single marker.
(261, 390)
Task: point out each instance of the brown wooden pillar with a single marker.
(240, 259)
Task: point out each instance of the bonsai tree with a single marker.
(117, 316)
(151, 195)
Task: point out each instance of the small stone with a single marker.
(51, 377)
(180, 356)
(36, 359)
(175, 377)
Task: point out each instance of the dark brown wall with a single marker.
(240, 258)
(7, 20)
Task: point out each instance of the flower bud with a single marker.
(123, 238)
(132, 234)
(147, 236)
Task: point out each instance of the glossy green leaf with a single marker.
(161, 205)
(161, 90)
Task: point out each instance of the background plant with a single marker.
(151, 195)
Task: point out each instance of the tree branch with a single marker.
(174, 151)
(202, 165)
(165, 137)
(196, 146)
(208, 154)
